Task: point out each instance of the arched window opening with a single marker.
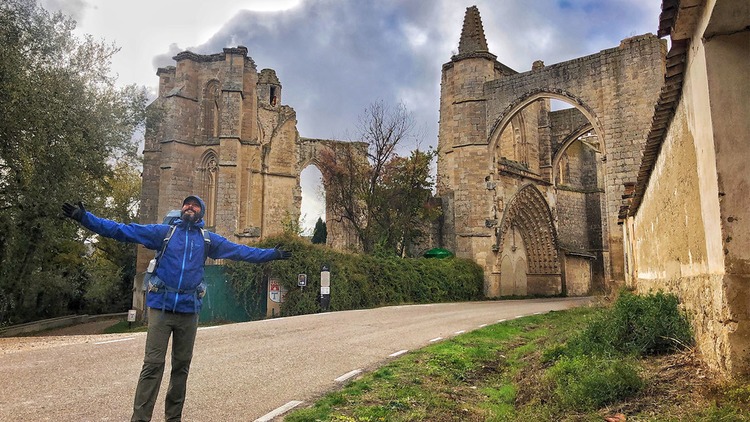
(208, 174)
(211, 112)
(313, 199)
(556, 105)
(272, 99)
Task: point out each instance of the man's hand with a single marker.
(282, 254)
(74, 212)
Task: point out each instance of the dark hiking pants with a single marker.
(162, 325)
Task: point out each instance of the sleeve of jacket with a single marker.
(150, 236)
(221, 248)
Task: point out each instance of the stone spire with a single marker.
(472, 34)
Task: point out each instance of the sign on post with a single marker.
(274, 290)
(325, 287)
(302, 280)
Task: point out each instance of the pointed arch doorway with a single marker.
(527, 255)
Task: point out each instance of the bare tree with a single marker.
(380, 198)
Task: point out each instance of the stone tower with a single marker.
(218, 129)
(462, 137)
(532, 194)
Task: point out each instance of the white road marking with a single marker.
(436, 339)
(348, 375)
(279, 411)
(500, 320)
(399, 353)
(483, 325)
(208, 328)
(115, 341)
(460, 332)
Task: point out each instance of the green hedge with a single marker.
(357, 281)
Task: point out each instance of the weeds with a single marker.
(585, 383)
(568, 366)
(635, 326)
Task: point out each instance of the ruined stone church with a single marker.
(530, 193)
(639, 180)
(218, 129)
(642, 183)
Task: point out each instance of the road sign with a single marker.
(274, 290)
(325, 287)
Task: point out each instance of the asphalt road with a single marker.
(240, 372)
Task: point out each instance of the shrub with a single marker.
(636, 325)
(596, 368)
(357, 281)
(584, 383)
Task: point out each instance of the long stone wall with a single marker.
(687, 233)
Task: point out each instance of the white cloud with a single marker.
(336, 57)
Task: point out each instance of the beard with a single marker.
(189, 217)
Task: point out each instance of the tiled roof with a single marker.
(669, 97)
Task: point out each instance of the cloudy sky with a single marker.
(336, 57)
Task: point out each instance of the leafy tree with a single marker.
(111, 266)
(403, 207)
(320, 233)
(62, 122)
(383, 198)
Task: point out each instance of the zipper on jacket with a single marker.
(182, 270)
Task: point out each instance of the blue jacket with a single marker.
(181, 266)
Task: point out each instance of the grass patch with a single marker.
(532, 369)
(125, 327)
(636, 325)
(584, 383)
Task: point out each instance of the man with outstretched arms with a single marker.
(175, 292)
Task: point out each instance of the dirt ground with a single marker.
(81, 333)
(89, 328)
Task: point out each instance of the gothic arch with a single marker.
(528, 212)
(566, 143)
(208, 170)
(516, 148)
(211, 111)
(520, 103)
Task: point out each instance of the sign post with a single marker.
(131, 317)
(274, 290)
(325, 287)
(302, 281)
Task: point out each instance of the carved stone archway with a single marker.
(528, 214)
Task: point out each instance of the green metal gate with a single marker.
(220, 303)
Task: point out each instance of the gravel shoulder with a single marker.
(80, 333)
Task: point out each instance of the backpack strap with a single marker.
(164, 245)
(206, 243)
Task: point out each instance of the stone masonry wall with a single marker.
(618, 89)
(689, 235)
(573, 228)
(563, 123)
